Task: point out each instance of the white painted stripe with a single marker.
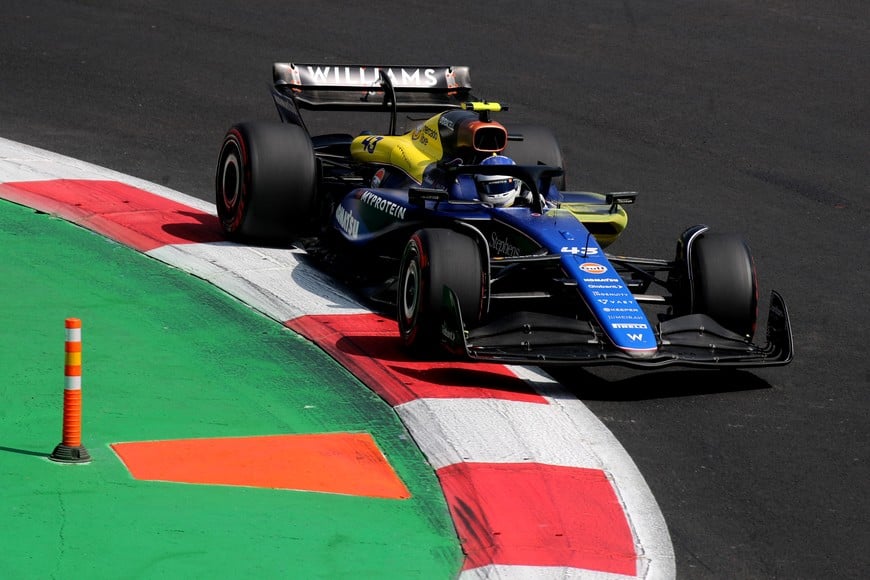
(72, 383)
(73, 334)
(496, 431)
(273, 281)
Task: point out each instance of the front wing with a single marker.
(695, 340)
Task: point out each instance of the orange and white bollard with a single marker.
(70, 449)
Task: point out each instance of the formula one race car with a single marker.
(465, 228)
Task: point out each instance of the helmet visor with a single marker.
(497, 185)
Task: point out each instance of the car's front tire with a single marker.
(434, 258)
(724, 282)
(265, 183)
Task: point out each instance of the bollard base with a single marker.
(66, 454)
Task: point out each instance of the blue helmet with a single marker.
(498, 190)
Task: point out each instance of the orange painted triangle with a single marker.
(345, 463)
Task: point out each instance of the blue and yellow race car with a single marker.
(463, 228)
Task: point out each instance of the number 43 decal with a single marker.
(369, 144)
(574, 250)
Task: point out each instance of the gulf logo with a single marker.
(593, 268)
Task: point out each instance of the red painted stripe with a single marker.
(129, 215)
(531, 514)
(368, 346)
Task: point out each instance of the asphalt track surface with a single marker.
(748, 117)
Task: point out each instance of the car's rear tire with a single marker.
(539, 146)
(265, 183)
(434, 258)
(724, 283)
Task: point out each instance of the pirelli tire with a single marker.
(538, 146)
(265, 183)
(724, 284)
(434, 258)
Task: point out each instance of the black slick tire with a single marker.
(434, 258)
(724, 282)
(265, 182)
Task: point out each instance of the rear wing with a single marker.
(367, 87)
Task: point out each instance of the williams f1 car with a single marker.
(518, 274)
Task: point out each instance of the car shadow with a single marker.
(638, 385)
(470, 377)
(599, 383)
(436, 371)
(204, 228)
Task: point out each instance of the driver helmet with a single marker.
(498, 190)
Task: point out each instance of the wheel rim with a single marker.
(411, 292)
(231, 179)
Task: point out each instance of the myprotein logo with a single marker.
(390, 208)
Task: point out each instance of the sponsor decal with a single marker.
(611, 301)
(503, 247)
(348, 223)
(390, 208)
(350, 75)
(424, 134)
(619, 309)
(446, 122)
(613, 294)
(639, 317)
(605, 295)
(593, 268)
(378, 177)
(585, 250)
(634, 337)
(629, 326)
(605, 286)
